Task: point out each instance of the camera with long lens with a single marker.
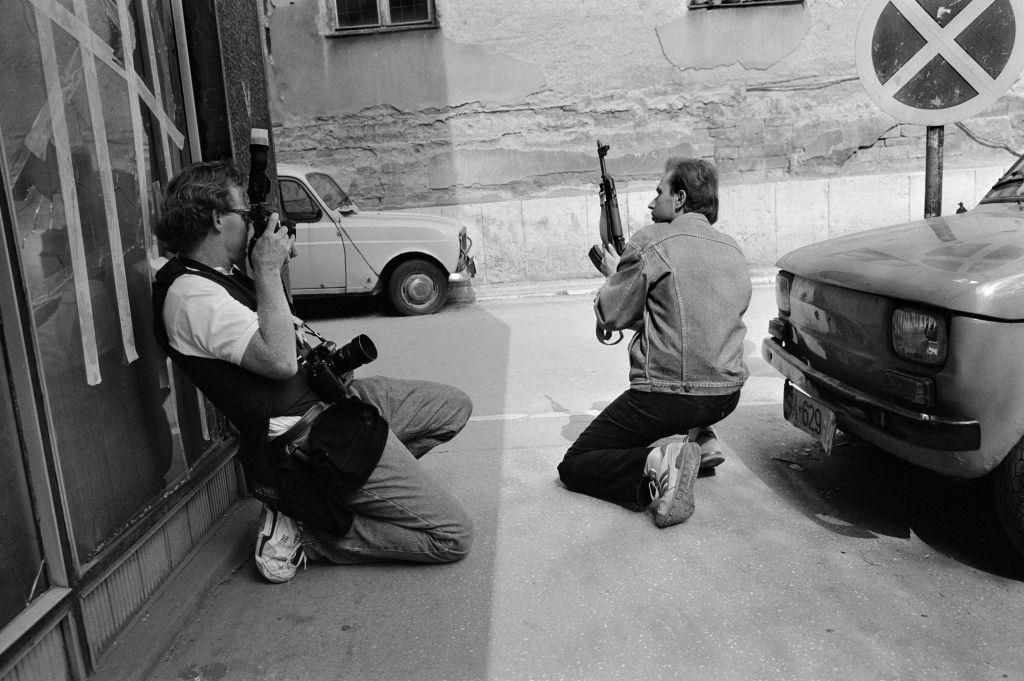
(259, 186)
(327, 363)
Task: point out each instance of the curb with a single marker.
(575, 287)
(141, 647)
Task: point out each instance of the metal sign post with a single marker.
(932, 63)
(933, 172)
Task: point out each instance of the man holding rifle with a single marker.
(682, 287)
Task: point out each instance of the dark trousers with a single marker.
(607, 460)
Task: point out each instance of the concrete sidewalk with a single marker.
(228, 549)
(795, 567)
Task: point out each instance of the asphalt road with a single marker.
(795, 565)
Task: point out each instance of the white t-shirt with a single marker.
(203, 320)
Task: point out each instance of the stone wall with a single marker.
(502, 105)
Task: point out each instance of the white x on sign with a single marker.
(931, 62)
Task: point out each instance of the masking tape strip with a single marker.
(62, 144)
(187, 93)
(147, 24)
(102, 51)
(128, 38)
(99, 126)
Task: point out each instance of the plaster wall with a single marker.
(503, 103)
(548, 238)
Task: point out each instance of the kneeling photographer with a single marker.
(334, 458)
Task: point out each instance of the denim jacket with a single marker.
(683, 287)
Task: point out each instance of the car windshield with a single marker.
(1010, 186)
(333, 195)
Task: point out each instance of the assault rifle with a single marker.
(611, 224)
(610, 229)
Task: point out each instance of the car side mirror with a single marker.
(347, 208)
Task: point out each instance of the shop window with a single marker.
(89, 129)
(21, 562)
(725, 4)
(361, 16)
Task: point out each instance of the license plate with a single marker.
(810, 416)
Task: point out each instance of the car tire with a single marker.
(417, 287)
(1009, 495)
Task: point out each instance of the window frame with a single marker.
(293, 215)
(737, 4)
(384, 24)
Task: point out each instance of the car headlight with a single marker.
(919, 335)
(783, 284)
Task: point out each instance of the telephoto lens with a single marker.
(357, 352)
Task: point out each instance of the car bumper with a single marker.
(463, 274)
(877, 420)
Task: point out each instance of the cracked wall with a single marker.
(753, 37)
(504, 102)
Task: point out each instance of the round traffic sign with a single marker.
(933, 62)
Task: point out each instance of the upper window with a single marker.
(364, 16)
(722, 4)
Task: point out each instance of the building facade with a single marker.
(116, 468)
(489, 112)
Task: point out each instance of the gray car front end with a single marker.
(913, 335)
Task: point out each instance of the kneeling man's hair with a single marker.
(699, 179)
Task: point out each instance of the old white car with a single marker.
(412, 258)
(912, 338)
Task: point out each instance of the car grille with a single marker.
(842, 333)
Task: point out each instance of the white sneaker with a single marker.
(672, 470)
(278, 546)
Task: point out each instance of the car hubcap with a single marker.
(419, 289)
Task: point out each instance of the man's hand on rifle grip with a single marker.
(611, 260)
(602, 227)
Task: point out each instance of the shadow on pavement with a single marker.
(430, 621)
(375, 621)
(861, 491)
(367, 305)
(341, 306)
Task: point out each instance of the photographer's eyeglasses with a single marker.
(244, 212)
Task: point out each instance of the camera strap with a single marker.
(286, 443)
(605, 337)
(237, 279)
(305, 328)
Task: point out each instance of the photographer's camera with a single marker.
(327, 363)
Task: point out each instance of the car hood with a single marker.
(971, 263)
(446, 226)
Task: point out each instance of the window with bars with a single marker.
(724, 4)
(384, 15)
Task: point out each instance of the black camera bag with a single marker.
(336, 457)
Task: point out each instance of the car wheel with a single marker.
(417, 287)
(1009, 492)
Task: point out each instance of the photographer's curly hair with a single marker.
(192, 196)
(699, 179)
